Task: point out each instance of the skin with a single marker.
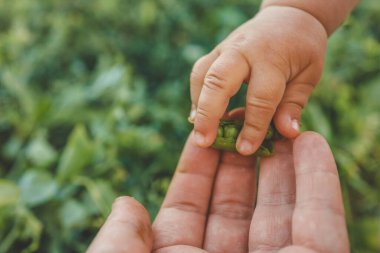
(280, 55)
(210, 205)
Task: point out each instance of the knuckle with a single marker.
(202, 113)
(292, 108)
(293, 105)
(215, 81)
(261, 104)
(251, 127)
(259, 113)
(272, 91)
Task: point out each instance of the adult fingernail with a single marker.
(245, 147)
(192, 115)
(200, 138)
(295, 125)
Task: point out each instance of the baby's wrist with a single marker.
(330, 14)
(300, 20)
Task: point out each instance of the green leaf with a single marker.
(9, 193)
(367, 231)
(77, 154)
(37, 187)
(73, 214)
(40, 152)
(12, 148)
(100, 193)
(107, 80)
(148, 12)
(15, 84)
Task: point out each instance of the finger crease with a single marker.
(215, 82)
(319, 204)
(202, 112)
(276, 199)
(186, 206)
(262, 104)
(235, 210)
(255, 126)
(201, 173)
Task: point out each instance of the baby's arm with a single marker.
(280, 54)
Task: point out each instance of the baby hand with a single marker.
(280, 54)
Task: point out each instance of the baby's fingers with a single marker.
(288, 115)
(221, 82)
(265, 91)
(198, 74)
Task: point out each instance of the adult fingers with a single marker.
(272, 220)
(182, 218)
(126, 230)
(265, 91)
(318, 219)
(288, 115)
(221, 82)
(232, 205)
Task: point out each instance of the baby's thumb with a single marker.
(126, 230)
(288, 114)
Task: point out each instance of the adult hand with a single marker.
(210, 205)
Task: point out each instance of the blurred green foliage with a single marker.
(94, 99)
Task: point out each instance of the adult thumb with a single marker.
(126, 230)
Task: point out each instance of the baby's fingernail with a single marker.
(200, 139)
(193, 112)
(296, 125)
(245, 147)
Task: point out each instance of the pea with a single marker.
(231, 132)
(220, 132)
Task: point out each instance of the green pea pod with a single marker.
(228, 133)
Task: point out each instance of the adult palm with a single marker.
(211, 205)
